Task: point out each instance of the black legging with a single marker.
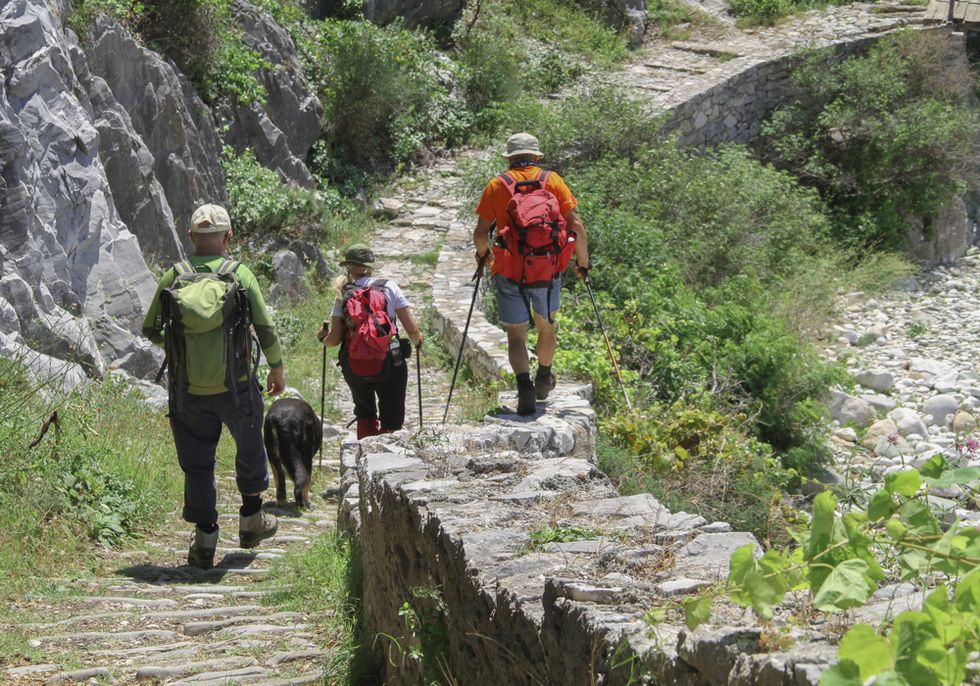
(390, 394)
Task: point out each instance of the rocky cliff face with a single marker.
(73, 281)
(281, 131)
(105, 150)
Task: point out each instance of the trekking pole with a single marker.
(476, 289)
(418, 373)
(612, 358)
(323, 384)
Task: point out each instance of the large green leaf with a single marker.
(890, 679)
(934, 466)
(881, 505)
(941, 611)
(821, 536)
(905, 482)
(864, 647)
(846, 586)
(844, 673)
(948, 664)
(913, 633)
(955, 477)
(697, 611)
(918, 518)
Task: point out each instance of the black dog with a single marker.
(293, 432)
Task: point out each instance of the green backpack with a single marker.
(199, 311)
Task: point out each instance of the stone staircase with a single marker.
(155, 619)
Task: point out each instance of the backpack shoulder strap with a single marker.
(183, 268)
(509, 183)
(379, 283)
(543, 177)
(227, 267)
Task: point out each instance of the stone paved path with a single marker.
(155, 618)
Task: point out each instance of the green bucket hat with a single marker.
(358, 254)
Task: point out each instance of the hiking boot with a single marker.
(525, 398)
(544, 386)
(255, 528)
(201, 554)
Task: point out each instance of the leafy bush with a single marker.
(884, 137)
(129, 13)
(762, 12)
(697, 459)
(382, 94)
(258, 200)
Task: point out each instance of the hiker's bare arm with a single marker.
(581, 239)
(410, 327)
(481, 237)
(336, 332)
(276, 383)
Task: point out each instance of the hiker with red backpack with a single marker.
(206, 312)
(373, 358)
(538, 233)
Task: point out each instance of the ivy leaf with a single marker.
(905, 482)
(755, 583)
(913, 633)
(846, 586)
(955, 477)
(697, 611)
(844, 673)
(881, 505)
(865, 648)
(821, 535)
(966, 597)
(934, 466)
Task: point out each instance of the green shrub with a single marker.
(129, 13)
(888, 136)
(697, 459)
(258, 201)
(762, 12)
(382, 96)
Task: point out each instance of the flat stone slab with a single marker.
(171, 671)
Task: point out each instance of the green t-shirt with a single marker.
(205, 366)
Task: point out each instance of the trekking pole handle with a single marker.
(324, 331)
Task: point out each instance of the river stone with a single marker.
(940, 407)
(880, 429)
(851, 410)
(908, 422)
(707, 555)
(880, 380)
(964, 422)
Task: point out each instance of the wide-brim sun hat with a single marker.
(358, 254)
(210, 219)
(522, 144)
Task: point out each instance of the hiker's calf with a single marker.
(293, 433)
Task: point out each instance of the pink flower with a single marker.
(893, 439)
(972, 445)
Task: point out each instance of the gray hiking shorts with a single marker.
(511, 308)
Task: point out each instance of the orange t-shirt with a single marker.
(493, 202)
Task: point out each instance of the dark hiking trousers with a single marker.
(197, 429)
(383, 400)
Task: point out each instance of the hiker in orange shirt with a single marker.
(538, 230)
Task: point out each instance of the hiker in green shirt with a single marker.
(204, 394)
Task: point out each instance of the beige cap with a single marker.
(210, 219)
(522, 144)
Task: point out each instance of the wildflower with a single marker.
(893, 439)
(972, 445)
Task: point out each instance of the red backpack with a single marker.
(369, 329)
(537, 246)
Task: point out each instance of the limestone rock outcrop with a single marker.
(174, 124)
(415, 13)
(73, 281)
(282, 130)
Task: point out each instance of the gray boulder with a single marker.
(940, 408)
(416, 13)
(282, 130)
(171, 119)
(847, 409)
(289, 277)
